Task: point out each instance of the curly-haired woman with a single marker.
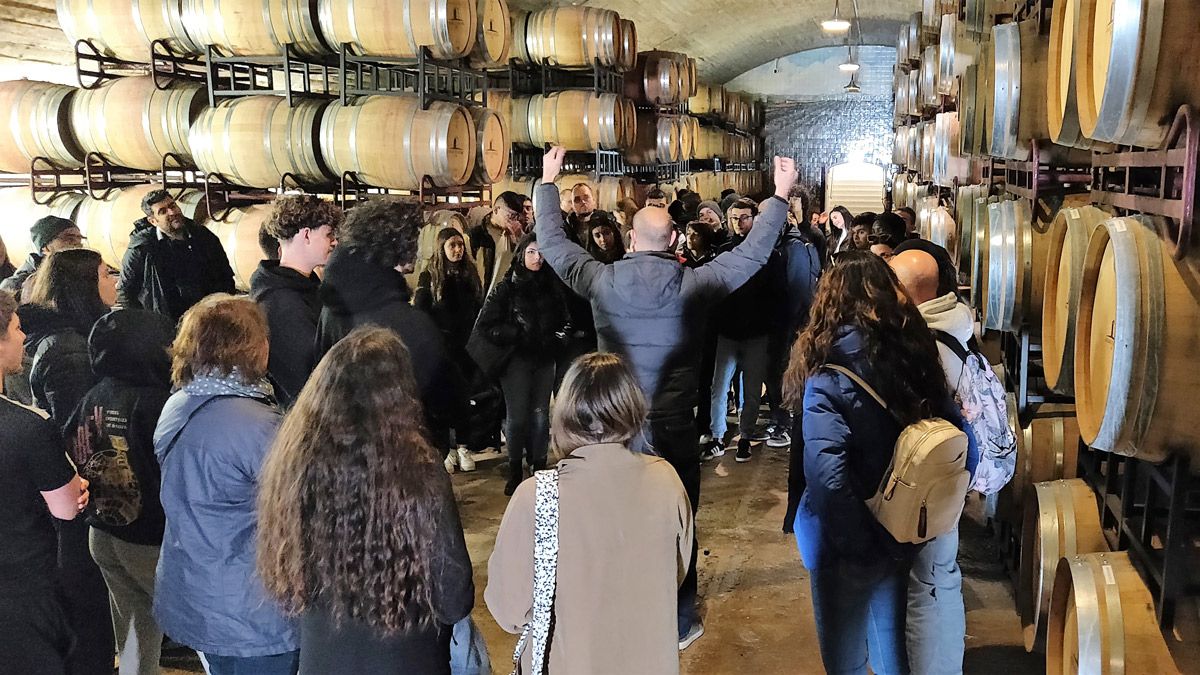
(364, 284)
(527, 314)
(354, 499)
(449, 290)
(211, 440)
(863, 321)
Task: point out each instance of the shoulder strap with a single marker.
(197, 409)
(545, 571)
(952, 344)
(860, 382)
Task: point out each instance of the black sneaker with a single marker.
(780, 438)
(712, 450)
(743, 450)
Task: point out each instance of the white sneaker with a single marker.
(449, 462)
(705, 439)
(465, 462)
(693, 634)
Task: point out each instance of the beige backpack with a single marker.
(923, 491)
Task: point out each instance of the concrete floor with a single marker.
(756, 605)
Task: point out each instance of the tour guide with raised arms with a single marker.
(651, 309)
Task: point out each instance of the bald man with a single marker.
(651, 309)
(936, 619)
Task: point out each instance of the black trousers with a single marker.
(34, 634)
(673, 437)
(528, 382)
(85, 601)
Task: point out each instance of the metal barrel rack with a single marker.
(1043, 183)
(287, 74)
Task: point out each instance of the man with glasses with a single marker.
(493, 239)
(48, 234)
(171, 262)
(887, 232)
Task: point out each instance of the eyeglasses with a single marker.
(885, 239)
(742, 219)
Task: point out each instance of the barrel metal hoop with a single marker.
(1120, 82)
(1155, 300)
(1087, 610)
(1122, 396)
(1114, 618)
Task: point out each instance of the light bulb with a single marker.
(835, 26)
(848, 67)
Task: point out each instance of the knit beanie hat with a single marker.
(47, 229)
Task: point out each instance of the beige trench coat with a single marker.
(625, 537)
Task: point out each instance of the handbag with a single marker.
(545, 572)
(489, 356)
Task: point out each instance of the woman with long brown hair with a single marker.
(862, 321)
(359, 534)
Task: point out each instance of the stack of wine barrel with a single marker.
(1115, 311)
(385, 141)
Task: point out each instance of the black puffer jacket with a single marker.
(526, 309)
(169, 276)
(111, 432)
(292, 303)
(62, 371)
(357, 292)
(14, 280)
(456, 312)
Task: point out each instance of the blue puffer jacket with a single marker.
(208, 595)
(848, 443)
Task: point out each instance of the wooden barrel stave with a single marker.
(286, 135)
(574, 36)
(493, 37)
(1132, 381)
(1102, 620)
(133, 123)
(1067, 246)
(1061, 519)
(654, 79)
(369, 136)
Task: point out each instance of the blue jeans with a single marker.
(277, 664)
(859, 611)
(937, 620)
(750, 356)
(527, 383)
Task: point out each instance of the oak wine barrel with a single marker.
(703, 102)
(1019, 85)
(968, 112)
(491, 145)
(1061, 520)
(948, 164)
(574, 119)
(916, 39)
(964, 214)
(255, 27)
(956, 51)
(108, 223)
(132, 123)
(1062, 106)
(1047, 449)
(493, 36)
(1135, 68)
(980, 248)
(980, 15)
(629, 46)
(285, 140)
(1068, 243)
(400, 28)
(389, 141)
(39, 125)
(574, 36)
(239, 237)
(657, 140)
(902, 44)
(1016, 268)
(1102, 620)
(1136, 343)
(654, 79)
(927, 91)
(520, 36)
(687, 127)
(20, 213)
(125, 28)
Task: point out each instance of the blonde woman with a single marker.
(624, 535)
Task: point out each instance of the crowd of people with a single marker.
(264, 478)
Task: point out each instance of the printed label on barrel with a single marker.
(1109, 578)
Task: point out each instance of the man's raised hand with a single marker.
(785, 175)
(552, 163)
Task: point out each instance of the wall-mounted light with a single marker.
(836, 25)
(851, 65)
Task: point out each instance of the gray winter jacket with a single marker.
(649, 307)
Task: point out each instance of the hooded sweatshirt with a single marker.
(292, 303)
(358, 292)
(111, 433)
(948, 315)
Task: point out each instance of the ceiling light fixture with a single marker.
(837, 25)
(850, 66)
(852, 87)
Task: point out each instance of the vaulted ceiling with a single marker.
(727, 37)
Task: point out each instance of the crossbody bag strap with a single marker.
(191, 415)
(545, 571)
(860, 382)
